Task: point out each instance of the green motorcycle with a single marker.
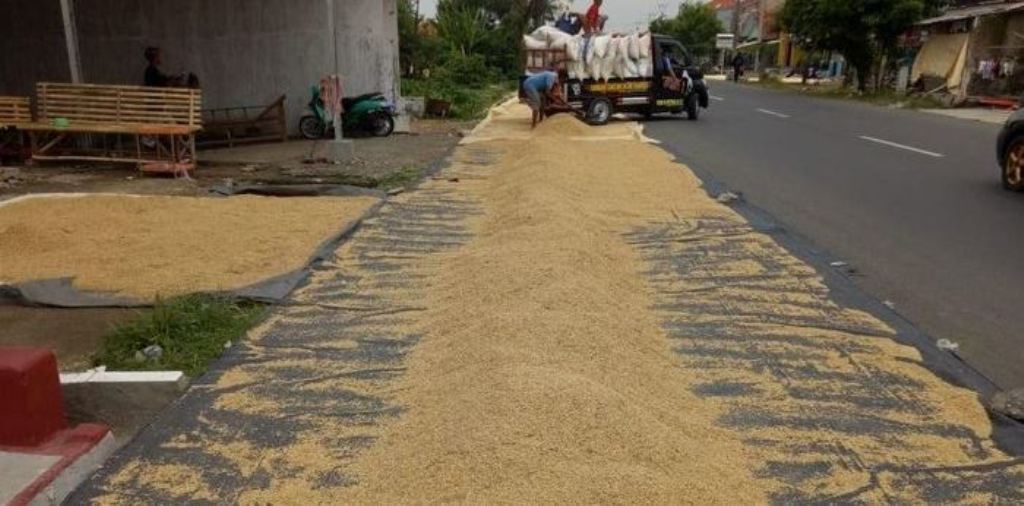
(370, 113)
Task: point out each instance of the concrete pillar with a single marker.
(67, 8)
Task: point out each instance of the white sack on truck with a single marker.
(594, 67)
(572, 49)
(612, 51)
(625, 67)
(559, 40)
(601, 45)
(542, 33)
(533, 43)
(634, 47)
(645, 67)
(645, 46)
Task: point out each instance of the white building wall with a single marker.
(245, 52)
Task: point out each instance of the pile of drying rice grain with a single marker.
(595, 339)
(543, 376)
(546, 374)
(143, 247)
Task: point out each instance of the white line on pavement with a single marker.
(773, 113)
(902, 146)
(716, 98)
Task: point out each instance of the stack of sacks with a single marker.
(607, 56)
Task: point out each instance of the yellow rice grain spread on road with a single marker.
(165, 246)
(544, 375)
(606, 333)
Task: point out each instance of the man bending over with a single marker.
(542, 89)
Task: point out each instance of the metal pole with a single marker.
(67, 10)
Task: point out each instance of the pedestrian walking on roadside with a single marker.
(737, 67)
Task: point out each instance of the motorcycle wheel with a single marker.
(311, 128)
(381, 124)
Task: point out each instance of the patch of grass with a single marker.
(400, 179)
(468, 102)
(192, 331)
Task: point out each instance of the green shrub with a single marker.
(465, 70)
(191, 330)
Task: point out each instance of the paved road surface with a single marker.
(910, 199)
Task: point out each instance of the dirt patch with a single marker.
(72, 334)
(376, 159)
(147, 246)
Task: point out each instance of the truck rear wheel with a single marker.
(599, 111)
(692, 107)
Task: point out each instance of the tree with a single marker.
(417, 51)
(462, 27)
(491, 29)
(865, 32)
(408, 35)
(696, 26)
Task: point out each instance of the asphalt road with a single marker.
(911, 200)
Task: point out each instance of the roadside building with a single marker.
(757, 31)
(245, 52)
(724, 10)
(972, 51)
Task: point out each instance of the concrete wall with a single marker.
(245, 52)
(32, 45)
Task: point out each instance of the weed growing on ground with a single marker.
(192, 331)
(400, 179)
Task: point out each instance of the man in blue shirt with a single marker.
(540, 89)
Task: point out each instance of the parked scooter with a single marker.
(370, 113)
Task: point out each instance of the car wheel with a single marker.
(1013, 167)
(599, 112)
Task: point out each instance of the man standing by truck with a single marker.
(542, 89)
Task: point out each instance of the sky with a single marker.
(622, 14)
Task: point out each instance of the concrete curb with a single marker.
(120, 399)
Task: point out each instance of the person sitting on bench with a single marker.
(157, 79)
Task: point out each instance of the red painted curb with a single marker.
(69, 445)
(30, 397)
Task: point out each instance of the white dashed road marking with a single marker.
(773, 113)
(902, 146)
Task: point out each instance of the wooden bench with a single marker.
(13, 110)
(161, 124)
(229, 126)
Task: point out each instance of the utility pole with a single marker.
(760, 34)
(735, 21)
